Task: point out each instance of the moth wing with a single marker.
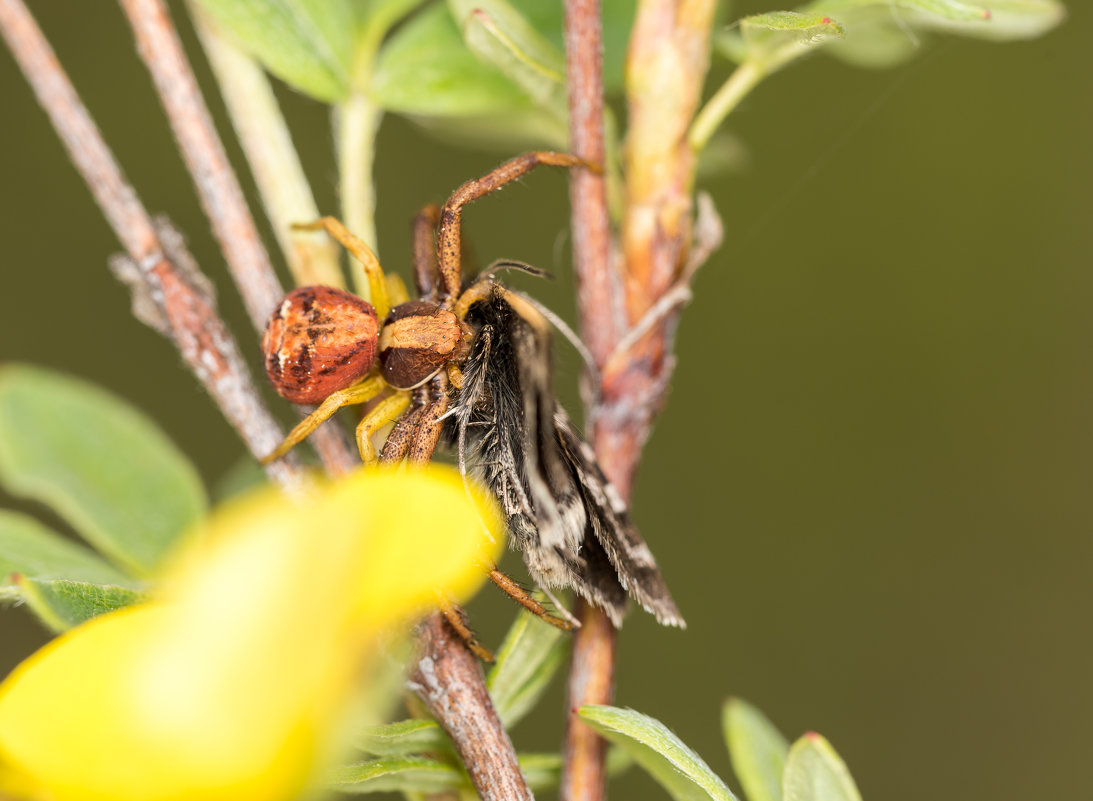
(615, 533)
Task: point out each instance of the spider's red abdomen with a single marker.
(318, 340)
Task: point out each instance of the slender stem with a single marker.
(588, 190)
(217, 186)
(163, 275)
(743, 79)
(592, 670)
(267, 144)
(357, 120)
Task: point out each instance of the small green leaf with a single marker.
(882, 33)
(61, 581)
(677, 768)
(814, 772)
(500, 35)
(403, 774)
(306, 43)
(404, 737)
(99, 463)
(529, 657)
(774, 39)
(425, 68)
(62, 604)
(758, 750)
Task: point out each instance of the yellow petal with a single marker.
(230, 686)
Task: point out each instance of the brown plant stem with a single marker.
(592, 665)
(217, 187)
(176, 301)
(448, 678)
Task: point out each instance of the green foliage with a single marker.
(814, 772)
(62, 582)
(306, 43)
(768, 769)
(99, 463)
(757, 748)
(529, 657)
(677, 768)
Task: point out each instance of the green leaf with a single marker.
(403, 738)
(882, 33)
(62, 604)
(99, 463)
(758, 750)
(497, 33)
(425, 68)
(677, 768)
(306, 43)
(814, 772)
(61, 581)
(772, 40)
(529, 657)
(403, 774)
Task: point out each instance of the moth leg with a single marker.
(424, 251)
(358, 393)
(362, 253)
(449, 234)
(457, 619)
(384, 412)
(521, 596)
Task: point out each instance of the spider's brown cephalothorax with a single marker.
(417, 339)
(318, 340)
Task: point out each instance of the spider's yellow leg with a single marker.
(358, 393)
(356, 246)
(384, 412)
(396, 291)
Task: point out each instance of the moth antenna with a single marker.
(568, 333)
(511, 264)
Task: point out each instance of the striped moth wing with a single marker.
(572, 526)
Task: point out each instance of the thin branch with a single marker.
(592, 666)
(163, 273)
(217, 186)
(267, 144)
(588, 189)
(356, 121)
(448, 677)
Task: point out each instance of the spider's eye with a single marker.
(418, 338)
(317, 341)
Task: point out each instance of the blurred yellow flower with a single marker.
(235, 682)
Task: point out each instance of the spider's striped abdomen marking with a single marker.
(317, 341)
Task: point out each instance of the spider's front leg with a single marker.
(449, 234)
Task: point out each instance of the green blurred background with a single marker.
(869, 490)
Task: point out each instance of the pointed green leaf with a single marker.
(529, 657)
(61, 581)
(814, 772)
(99, 463)
(497, 33)
(404, 737)
(425, 68)
(402, 774)
(62, 604)
(677, 768)
(757, 749)
(306, 43)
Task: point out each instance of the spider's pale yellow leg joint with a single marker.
(358, 393)
(384, 412)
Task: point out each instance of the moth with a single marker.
(570, 523)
